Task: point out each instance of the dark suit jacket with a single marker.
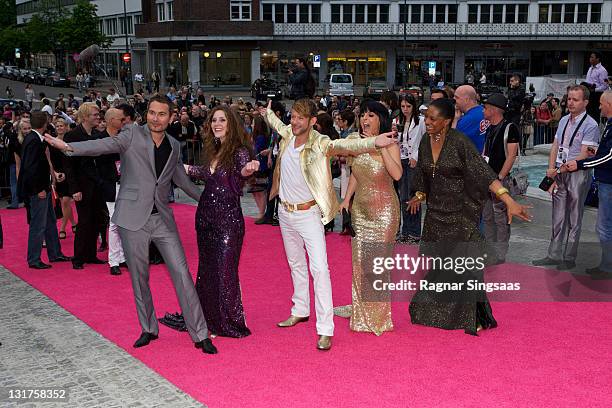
(34, 173)
(108, 173)
(82, 173)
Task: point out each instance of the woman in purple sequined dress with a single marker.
(219, 222)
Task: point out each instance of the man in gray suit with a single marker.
(150, 161)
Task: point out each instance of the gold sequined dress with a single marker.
(375, 216)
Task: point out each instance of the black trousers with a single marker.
(93, 215)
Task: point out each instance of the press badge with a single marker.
(562, 156)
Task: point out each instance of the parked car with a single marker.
(11, 72)
(263, 89)
(56, 79)
(29, 76)
(415, 91)
(341, 85)
(375, 89)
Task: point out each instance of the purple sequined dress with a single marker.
(220, 229)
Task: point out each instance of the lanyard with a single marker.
(575, 130)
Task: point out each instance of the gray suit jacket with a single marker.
(140, 188)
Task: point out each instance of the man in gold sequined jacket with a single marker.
(302, 179)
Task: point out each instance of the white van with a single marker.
(341, 84)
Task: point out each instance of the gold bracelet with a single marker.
(420, 195)
(501, 191)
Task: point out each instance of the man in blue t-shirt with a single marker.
(472, 123)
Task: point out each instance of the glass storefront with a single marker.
(225, 68)
(363, 65)
(275, 64)
(414, 69)
(172, 66)
(497, 68)
(548, 63)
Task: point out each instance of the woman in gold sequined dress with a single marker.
(375, 217)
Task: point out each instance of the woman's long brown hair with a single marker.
(235, 138)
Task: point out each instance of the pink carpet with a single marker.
(541, 355)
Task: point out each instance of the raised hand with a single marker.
(386, 139)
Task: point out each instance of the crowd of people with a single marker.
(119, 163)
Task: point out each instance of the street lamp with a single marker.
(405, 67)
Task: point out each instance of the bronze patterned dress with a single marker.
(457, 186)
(375, 216)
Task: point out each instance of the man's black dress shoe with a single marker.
(61, 258)
(114, 270)
(39, 265)
(77, 265)
(565, 265)
(96, 261)
(206, 346)
(144, 339)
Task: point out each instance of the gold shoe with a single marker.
(292, 321)
(324, 343)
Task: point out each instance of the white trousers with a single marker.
(303, 233)
(115, 249)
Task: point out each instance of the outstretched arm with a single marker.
(97, 147)
(181, 179)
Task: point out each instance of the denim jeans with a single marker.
(411, 223)
(42, 226)
(604, 226)
(13, 178)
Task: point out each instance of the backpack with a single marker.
(310, 87)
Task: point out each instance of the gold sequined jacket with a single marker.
(315, 163)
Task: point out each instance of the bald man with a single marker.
(115, 120)
(472, 123)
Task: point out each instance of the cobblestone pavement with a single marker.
(45, 346)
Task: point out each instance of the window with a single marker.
(267, 13)
(161, 12)
(543, 13)
(123, 26)
(473, 13)
(523, 12)
(498, 12)
(556, 13)
(101, 26)
(595, 13)
(583, 11)
(335, 13)
(302, 13)
(485, 13)
(347, 14)
(428, 13)
(360, 13)
(415, 14)
(404, 13)
(440, 13)
(291, 13)
(315, 13)
(452, 13)
(568, 15)
(372, 17)
(279, 13)
(240, 10)
(383, 13)
(170, 9)
(510, 10)
(138, 19)
(111, 26)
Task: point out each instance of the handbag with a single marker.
(348, 224)
(518, 180)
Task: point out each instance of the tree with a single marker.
(81, 29)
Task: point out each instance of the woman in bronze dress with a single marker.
(453, 179)
(375, 217)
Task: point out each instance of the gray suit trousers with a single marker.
(136, 248)
(568, 208)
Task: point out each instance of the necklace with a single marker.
(437, 137)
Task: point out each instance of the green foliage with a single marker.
(53, 28)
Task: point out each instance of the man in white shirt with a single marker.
(112, 97)
(596, 77)
(302, 178)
